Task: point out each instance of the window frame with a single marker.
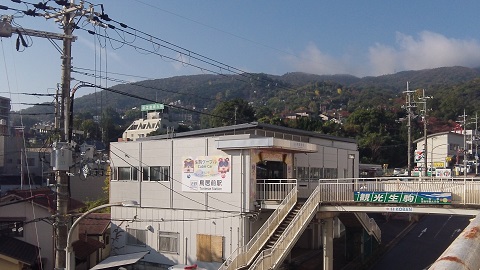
(163, 173)
(132, 173)
(174, 240)
(132, 234)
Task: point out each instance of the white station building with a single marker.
(204, 194)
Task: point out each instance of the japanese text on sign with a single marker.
(404, 197)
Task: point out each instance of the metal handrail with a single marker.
(242, 256)
(268, 259)
(370, 225)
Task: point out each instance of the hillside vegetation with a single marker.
(368, 109)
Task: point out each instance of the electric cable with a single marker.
(171, 189)
(170, 177)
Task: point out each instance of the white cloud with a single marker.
(99, 50)
(428, 50)
(312, 60)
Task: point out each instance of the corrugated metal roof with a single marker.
(248, 126)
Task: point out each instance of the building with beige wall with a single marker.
(199, 192)
(27, 216)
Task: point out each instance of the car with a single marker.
(397, 171)
(184, 266)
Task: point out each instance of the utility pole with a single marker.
(63, 190)
(409, 107)
(476, 144)
(464, 144)
(423, 100)
(61, 159)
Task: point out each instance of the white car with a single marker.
(397, 171)
(186, 267)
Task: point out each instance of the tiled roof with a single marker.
(86, 246)
(44, 197)
(18, 250)
(94, 224)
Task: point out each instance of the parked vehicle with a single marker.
(398, 171)
(183, 266)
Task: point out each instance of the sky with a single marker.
(185, 37)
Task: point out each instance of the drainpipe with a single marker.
(464, 252)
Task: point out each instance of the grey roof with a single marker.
(18, 249)
(247, 126)
(437, 134)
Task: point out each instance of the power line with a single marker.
(139, 85)
(220, 30)
(151, 100)
(185, 52)
(141, 172)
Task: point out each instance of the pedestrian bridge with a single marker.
(296, 203)
(454, 196)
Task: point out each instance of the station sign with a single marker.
(403, 197)
(152, 107)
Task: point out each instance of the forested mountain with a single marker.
(370, 109)
(206, 91)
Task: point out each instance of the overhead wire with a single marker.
(170, 177)
(21, 154)
(183, 51)
(141, 85)
(170, 105)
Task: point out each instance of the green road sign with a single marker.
(152, 107)
(403, 197)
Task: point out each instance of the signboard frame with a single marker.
(403, 197)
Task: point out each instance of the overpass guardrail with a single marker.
(465, 191)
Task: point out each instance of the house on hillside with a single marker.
(27, 216)
(203, 194)
(156, 119)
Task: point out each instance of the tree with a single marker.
(232, 112)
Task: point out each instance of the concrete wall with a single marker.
(169, 194)
(187, 223)
(165, 206)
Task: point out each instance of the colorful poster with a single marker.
(207, 174)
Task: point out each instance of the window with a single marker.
(330, 173)
(168, 242)
(123, 173)
(136, 237)
(156, 173)
(134, 173)
(127, 173)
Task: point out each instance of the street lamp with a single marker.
(352, 157)
(69, 249)
(431, 152)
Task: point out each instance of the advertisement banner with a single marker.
(419, 156)
(403, 197)
(207, 174)
(443, 173)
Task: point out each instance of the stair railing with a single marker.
(242, 256)
(271, 258)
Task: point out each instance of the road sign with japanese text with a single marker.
(403, 197)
